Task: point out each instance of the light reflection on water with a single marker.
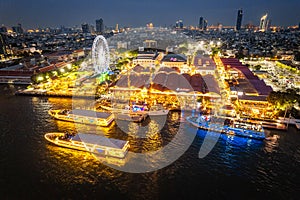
(267, 169)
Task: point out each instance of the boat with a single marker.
(133, 117)
(228, 126)
(156, 110)
(83, 116)
(92, 143)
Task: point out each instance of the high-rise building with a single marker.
(2, 45)
(205, 25)
(92, 29)
(99, 26)
(179, 24)
(239, 20)
(3, 29)
(220, 27)
(299, 26)
(18, 29)
(85, 28)
(263, 23)
(201, 23)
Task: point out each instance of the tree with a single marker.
(284, 100)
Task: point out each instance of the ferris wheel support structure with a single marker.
(100, 55)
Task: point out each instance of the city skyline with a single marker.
(136, 13)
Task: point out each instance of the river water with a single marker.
(236, 168)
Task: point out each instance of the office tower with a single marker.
(85, 28)
(179, 24)
(220, 27)
(201, 23)
(205, 25)
(2, 45)
(299, 26)
(263, 23)
(3, 29)
(99, 26)
(18, 29)
(239, 20)
(91, 29)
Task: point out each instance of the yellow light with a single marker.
(40, 78)
(62, 70)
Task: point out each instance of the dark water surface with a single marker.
(236, 168)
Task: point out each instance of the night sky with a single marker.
(133, 13)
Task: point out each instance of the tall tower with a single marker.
(18, 29)
(263, 23)
(3, 29)
(99, 26)
(201, 20)
(239, 20)
(2, 45)
(179, 24)
(205, 25)
(85, 28)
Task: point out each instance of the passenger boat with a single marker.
(92, 143)
(83, 116)
(156, 110)
(133, 117)
(228, 126)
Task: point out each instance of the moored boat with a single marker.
(156, 110)
(227, 126)
(92, 143)
(83, 116)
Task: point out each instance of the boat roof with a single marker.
(99, 140)
(90, 113)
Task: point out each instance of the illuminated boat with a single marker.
(83, 116)
(92, 143)
(156, 110)
(228, 126)
(133, 117)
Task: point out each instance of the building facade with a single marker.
(263, 23)
(100, 26)
(239, 20)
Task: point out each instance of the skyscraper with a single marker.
(239, 20)
(85, 28)
(18, 29)
(99, 26)
(3, 29)
(201, 23)
(2, 45)
(205, 25)
(179, 24)
(263, 23)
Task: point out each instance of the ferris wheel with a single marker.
(100, 55)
